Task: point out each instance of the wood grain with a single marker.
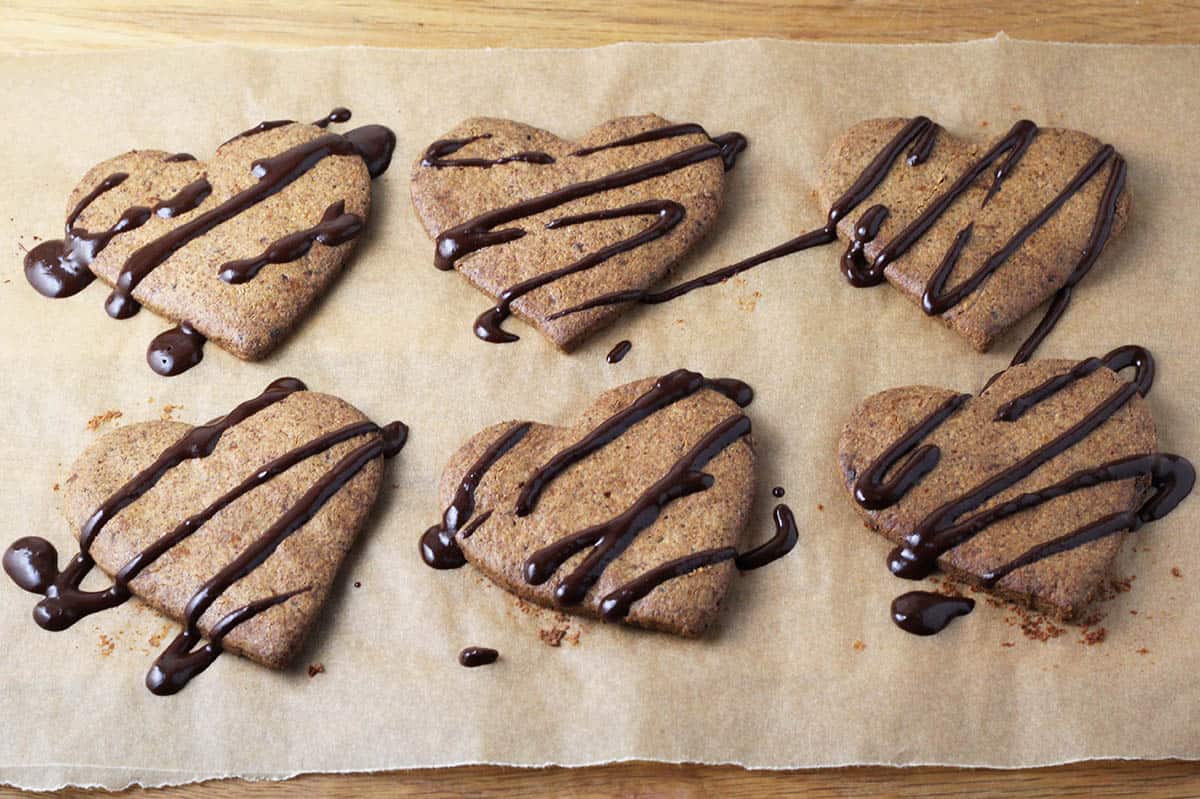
(35, 25)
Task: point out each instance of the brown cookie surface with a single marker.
(1073, 422)
(238, 247)
(235, 528)
(626, 233)
(702, 432)
(1059, 198)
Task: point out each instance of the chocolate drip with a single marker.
(336, 227)
(945, 528)
(338, 114)
(261, 127)
(480, 232)
(474, 656)
(777, 546)
(179, 663)
(926, 613)
(179, 158)
(438, 547)
(609, 539)
(667, 390)
(617, 604)
(618, 352)
(32, 563)
(174, 351)
(274, 174)
(854, 263)
(777, 492)
(59, 267)
(435, 155)
(375, 145)
(187, 199)
(667, 214)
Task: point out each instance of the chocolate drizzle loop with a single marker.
(32, 562)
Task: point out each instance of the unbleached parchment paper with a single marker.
(804, 667)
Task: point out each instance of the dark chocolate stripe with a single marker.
(609, 539)
(435, 155)
(336, 227)
(186, 199)
(617, 604)
(438, 547)
(171, 671)
(667, 214)
(667, 390)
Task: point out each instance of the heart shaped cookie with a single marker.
(978, 235)
(632, 513)
(1026, 489)
(235, 528)
(541, 224)
(236, 248)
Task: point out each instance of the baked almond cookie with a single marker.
(978, 235)
(235, 528)
(542, 224)
(234, 249)
(632, 513)
(1026, 490)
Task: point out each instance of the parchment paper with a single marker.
(804, 667)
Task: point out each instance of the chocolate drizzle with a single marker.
(919, 136)
(438, 547)
(619, 351)
(481, 232)
(606, 541)
(187, 199)
(336, 227)
(927, 613)
(32, 562)
(174, 351)
(1171, 477)
(667, 214)
(474, 656)
(60, 268)
(436, 155)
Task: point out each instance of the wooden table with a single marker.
(102, 24)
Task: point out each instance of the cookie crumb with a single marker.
(1143, 651)
(1175, 572)
(106, 645)
(315, 668)
(103, 418)
(1007, 644)
(820, 506)
(859, 646)
(552, 636)
(55, 488)
(168, 412)
(1092, 637)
